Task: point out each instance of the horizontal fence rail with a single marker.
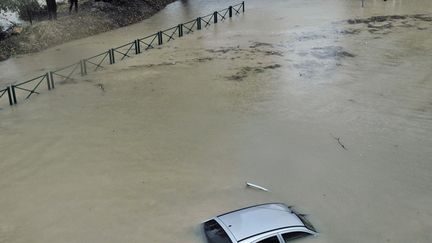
(207, 19)
(6, 92)
(98, 62)
(65, 74)
(127, 50)
(149, 41)
(189, 26)
(170, 33)
(25, 89)
(30, 87)
(223, 13)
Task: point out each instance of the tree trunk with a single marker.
(29, 15)
(52, 9)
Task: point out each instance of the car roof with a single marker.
(248, 222)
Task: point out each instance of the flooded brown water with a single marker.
(150, 147)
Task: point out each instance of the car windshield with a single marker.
(215, 233)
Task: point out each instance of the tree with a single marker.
(52, 9)
(24, 8)
(14, 5)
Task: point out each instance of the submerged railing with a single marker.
(26, 89)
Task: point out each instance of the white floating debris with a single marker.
(256, 186)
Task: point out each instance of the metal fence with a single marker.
(26, 89)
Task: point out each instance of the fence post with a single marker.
(48, 81)
(85, 66)
(51, 78)
(180, 29)
(82, 68)
(111, 56)
(198, 23)
(9, 95)
(160, 41)
(137, 47)
(243, 6)
(230, 11)
(14, 99)
(215, 17)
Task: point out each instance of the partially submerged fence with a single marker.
(26, 89)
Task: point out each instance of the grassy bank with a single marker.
(92, 18)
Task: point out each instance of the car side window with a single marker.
(272, 239)
(293, 235)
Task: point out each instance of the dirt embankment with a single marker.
(92, 18)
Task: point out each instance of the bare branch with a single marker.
(339, 142)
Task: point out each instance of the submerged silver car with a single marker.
(264, 223)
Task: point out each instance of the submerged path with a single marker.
(28, 66)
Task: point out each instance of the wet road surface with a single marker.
(328, 108)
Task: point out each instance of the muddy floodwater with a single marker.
(325, 103)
